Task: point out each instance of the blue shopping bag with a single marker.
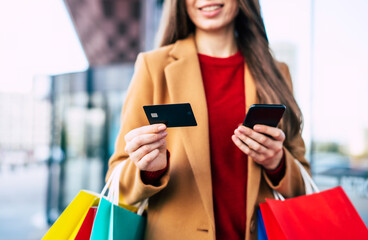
(261, 230)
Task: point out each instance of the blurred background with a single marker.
(65, 67)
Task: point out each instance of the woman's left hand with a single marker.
(264, 150)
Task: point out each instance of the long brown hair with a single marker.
(253, 43)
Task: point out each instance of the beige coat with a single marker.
(181, 207)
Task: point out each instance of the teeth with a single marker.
(211, 8)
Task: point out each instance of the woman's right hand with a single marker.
(146, 147)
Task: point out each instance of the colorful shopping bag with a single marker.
(321, 215)
(70, 221)
(115, 221)
(84, 232)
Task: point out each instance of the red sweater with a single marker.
(223, 80)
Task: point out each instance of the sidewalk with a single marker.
(22, 203)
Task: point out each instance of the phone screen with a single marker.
(265, 114)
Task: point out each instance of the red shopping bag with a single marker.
(85, 230)
(325, 215)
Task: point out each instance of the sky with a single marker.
(36, 38)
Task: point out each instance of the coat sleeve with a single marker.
(292, 183)
(140, 93)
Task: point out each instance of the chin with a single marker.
(210, 26)
(213, 25)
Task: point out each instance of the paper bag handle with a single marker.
(113, 184)
(309, 184)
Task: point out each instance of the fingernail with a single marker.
(257, 128)
(162, 127)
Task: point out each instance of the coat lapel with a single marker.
(184, 81)
(254, 171)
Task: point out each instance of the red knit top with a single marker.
(223, 80)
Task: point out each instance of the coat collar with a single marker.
(185, 84)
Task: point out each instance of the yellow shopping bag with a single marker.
(69, 222)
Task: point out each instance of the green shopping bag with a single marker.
(115, 221)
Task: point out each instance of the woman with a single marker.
(205, 182)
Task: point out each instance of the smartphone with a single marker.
(265, 114)
(172, 115)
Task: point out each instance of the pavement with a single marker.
(22, 203)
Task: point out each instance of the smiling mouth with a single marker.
(211, 8)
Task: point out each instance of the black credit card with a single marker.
(172, 115)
